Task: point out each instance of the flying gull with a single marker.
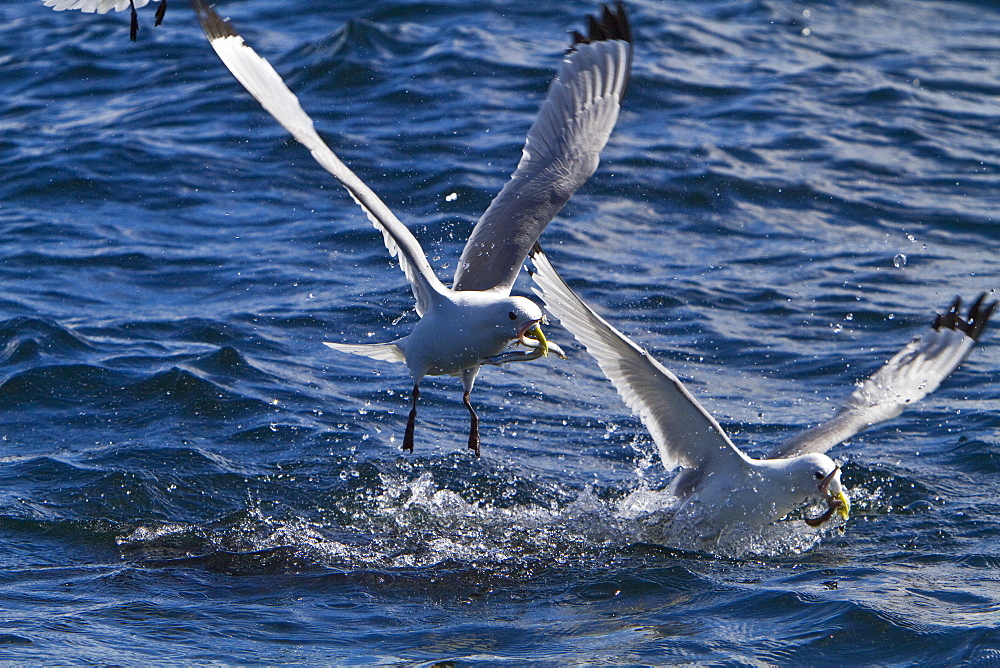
(721, 486)
(473, 322)
(105, 6)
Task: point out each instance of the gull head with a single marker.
(526, 317)
(817, 476)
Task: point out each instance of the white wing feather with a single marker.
(685, 433)
(387, 352)
(267, 87)
(912, 373)
(91, 6)
(561, 152)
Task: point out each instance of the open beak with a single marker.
(836, 499)
(530, 336)
(536, 340)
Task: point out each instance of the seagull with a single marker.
(719, 486)
(475, 321)
(105, 6)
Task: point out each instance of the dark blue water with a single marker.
(188, 475)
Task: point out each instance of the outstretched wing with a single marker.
(911, 374)
(684, 432)
(261, 81)
(561, 152)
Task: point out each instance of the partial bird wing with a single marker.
(684, 432)
(91, 6)
(104, 6)
(561, 152)
(911, 374)
(262, 82)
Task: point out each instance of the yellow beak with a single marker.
(537, 340)
(844, 509)
(836, 502)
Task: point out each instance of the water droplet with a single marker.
(899, 261)
(451, 197)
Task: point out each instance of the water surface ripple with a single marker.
(188, 475)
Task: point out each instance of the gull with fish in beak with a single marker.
(719, 486)
(475, 321)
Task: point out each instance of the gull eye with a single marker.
(819, 475)
(512, 315)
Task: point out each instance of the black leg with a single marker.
(408, 437)
(160, 11)
(474, 426)
(134, 28)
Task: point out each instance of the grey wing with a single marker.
(561, 152)
(911, 374)
(267, 87)
(684, 432)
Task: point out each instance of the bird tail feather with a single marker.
(387, 352)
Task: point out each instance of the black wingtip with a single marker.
(133, 30)
(212, 23)
(536, 250)
(612, 24)
(974, 325)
